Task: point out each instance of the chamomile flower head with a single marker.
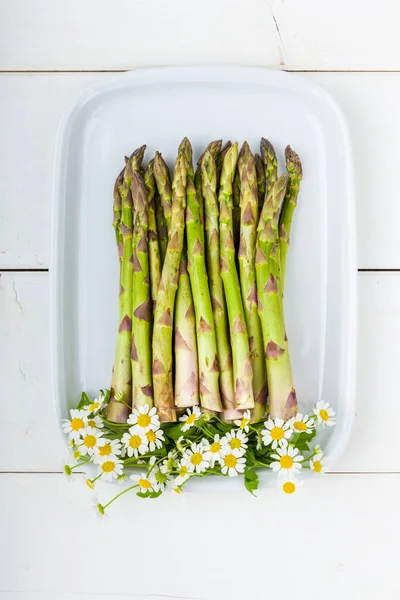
(97, 404)
(232, 463)
(302, 423)
(144, 418)
(94, 421)
(106, 448)
(324, 414)
(135, 442)
(316, 463)
(276, 432)
(195, 460)
(162, 479)
(183, 473)
(190, 418)
(287, 459)
(155, 439)
(216, 449)
(169, 463)
(146, 483)
(243, 423)
(98, 507)
(288, 485)
(110, 469)
(89, 439)
(237, 440)
(76, 424)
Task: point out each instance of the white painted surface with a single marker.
(339, 538)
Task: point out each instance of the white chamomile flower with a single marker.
(106, 448)
(183, 473)
(97, 404)
(194, 459)
(98, 507)
(94, 422)
(89, 440)
(144, 418)
(287, 460)
(232, 463)
(179, 444)
(162, 479)
(243, 423)
(76, 425)
(316, 463)
(302, 423)
(325, 414)
(289, 486)
(135, 442)
(155, 439)
(276, 431)
(168, 464)
(215, 450)
(190, 417)
(146, 483)
(237, 440)
(111, 468)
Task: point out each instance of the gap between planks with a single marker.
(60, 71)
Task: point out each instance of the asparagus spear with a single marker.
(219, 159)
(270, 161)
(282, 395)
(247, 270)
(162, 333)
(186, 368)
(154, 249)
(220, 316)
(236, 185)
(214, 148)
(117, 208)
(261, 183)
(242, 369)
(163, 181)
(142, 391)
(161, 223)
(295, 171)
(206, 337)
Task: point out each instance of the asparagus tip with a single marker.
(293, 162)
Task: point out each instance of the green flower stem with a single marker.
(132, 487)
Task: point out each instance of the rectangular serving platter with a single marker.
(159, 107)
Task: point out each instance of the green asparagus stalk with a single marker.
(162, 230)
(236, 185)
(163, 181)
(295, 172)
(270, 161)
(162, 333)
(214, 148)
(142, 390)
(206, 337)
(242, 369)
(154, 248)
(219, 159)
(282, 395)
(220, 315)
(261, 183)
(186, 367)
(247, 270)
(117, 215)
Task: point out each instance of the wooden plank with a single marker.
(30, 429)
(33, 106)
(332, 541)
(93, 34)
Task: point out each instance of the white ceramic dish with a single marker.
(159, 107)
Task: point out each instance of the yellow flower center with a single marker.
(191, 419)
(317, 466)
(89, 441)
(323, 414)
(289, 487)
(286, 462)
(92, 423)
(77, 424)
(300, 426)
(144, 483)
(135, 441)
(243, 423)
(89, 484)
(215, 447)
(94, 406)
(230, 461)
(151, 436)
(235, 443)
(143, 420)
(183, 471)
(105, 450)
(108, 466)
(277, 433)
(196, 458)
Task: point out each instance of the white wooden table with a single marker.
(339, 539)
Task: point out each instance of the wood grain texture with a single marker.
(30, 427)
(333, 540)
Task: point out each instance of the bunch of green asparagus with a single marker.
(202, 273)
